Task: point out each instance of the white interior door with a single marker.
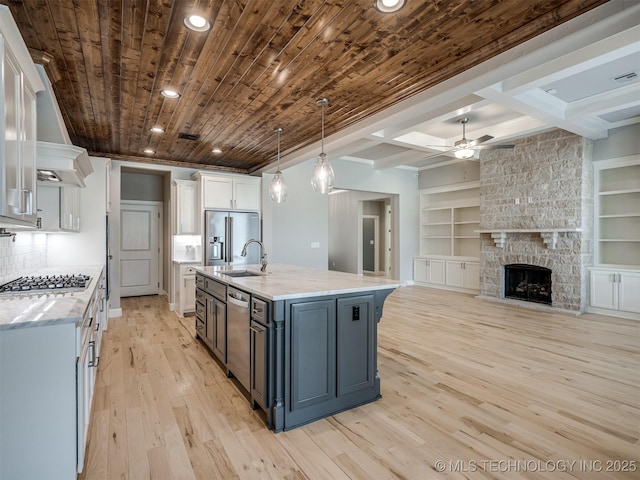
(139, 249)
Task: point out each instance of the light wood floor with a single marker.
(464, 381)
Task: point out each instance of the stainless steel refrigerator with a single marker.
(226, 234)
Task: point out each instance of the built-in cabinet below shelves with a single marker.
(449, 238)
(615, 280)
(460, 275)
(615, 292)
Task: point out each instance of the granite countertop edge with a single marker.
(30, 310)
(288, 286)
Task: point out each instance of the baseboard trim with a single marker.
(115, 312)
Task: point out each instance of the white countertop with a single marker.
(282, 282)
(23, 310)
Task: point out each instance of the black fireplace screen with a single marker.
(527, 282)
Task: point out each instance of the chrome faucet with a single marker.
(263, 253)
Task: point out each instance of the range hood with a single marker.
(59, 163)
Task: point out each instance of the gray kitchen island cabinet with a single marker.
(329, 357)
(313, 347)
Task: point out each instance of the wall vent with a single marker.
(189, 136)
(627, 77)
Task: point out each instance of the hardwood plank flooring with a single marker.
(491, 390)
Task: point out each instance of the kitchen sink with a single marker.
(241, 273)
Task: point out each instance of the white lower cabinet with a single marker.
(186, 289)
(448, 274)
(463, 274)
(428, 270)
(47, 379)
(615, 292)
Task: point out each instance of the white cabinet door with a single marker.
(246, 194)
(420, 270)
(455, 274)
(217, 192)
(70, 209)
(629, 292)
(472, 275)
(28, 154)
(604, 292)
(436, 271)
(187, 212)
(188, 296)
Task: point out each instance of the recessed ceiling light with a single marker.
(388, 6)
(217, 151)
(149, 151)
(551, 91)
(169, 93)
(197, 23)
(157, 129)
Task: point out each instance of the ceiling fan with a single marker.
(465, 148)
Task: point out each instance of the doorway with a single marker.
(140, 247)
(352, 217)
(370, 244)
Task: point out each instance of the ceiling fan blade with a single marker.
(484, 138)
(432, 155)
(492, 147)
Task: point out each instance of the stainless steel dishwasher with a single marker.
(238, 337)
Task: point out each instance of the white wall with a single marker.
(291, 227)
(345, 229)
(621, 142)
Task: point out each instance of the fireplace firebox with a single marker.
(527, 282)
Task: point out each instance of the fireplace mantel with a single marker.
(549, 235)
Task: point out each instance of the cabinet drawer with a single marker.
(259, 311)
(200, 311)
(200, 281)
(200, 328)
(188, 270)
(216, 289)
(200, 296)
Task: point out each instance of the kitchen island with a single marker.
(302, 342)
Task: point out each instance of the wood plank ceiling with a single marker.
(262, 65)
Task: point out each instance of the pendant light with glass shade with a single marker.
(322, 178)
(278, 188)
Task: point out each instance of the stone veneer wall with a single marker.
(554, 170)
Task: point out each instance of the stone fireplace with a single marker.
(536, 209)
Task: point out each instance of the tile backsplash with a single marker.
(27, 254)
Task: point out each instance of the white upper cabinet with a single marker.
(229, 192)
(19, 82)
(59, 208)
(188, 216)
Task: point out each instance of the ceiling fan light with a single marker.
(464, 153)
(388, 6)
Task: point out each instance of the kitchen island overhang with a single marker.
(313, 350)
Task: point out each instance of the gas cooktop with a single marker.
(38, 284)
